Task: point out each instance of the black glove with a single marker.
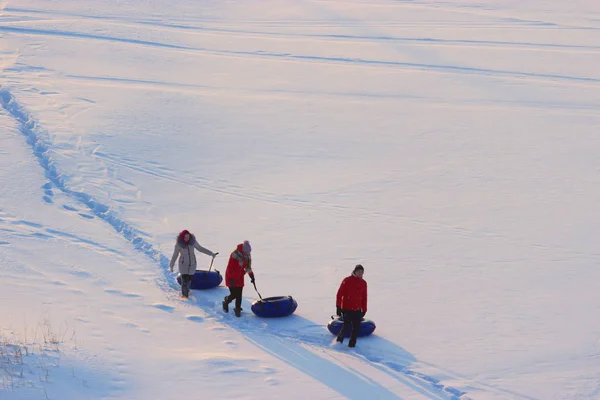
(252, 279)
(215, 254)
(338, 311)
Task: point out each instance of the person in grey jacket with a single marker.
(184, 249)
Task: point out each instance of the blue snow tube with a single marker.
(274, 307)
(335, 326)
(203, 279)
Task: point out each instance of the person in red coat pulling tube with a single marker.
(239, 264)
(351, 303)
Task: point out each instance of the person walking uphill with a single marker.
(351, 302)
(184, 249)
(239, 264)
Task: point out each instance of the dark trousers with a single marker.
(352, 321)
(186, 283)
(235, 293)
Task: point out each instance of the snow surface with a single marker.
(451, 147)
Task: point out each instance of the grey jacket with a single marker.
(187, 258)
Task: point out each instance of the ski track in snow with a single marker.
(158, 25)
(179, 87)
(303, 350)
(255, 330)
(288, 344)
(455, 69)
(499, 23)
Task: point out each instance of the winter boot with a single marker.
(352, 343)
(238, 312)
(225, 305)
(185, 292)
(340, 339)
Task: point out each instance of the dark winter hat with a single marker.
(359, 268)
(246, 248)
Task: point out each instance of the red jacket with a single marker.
(352, 294)
(239, 263)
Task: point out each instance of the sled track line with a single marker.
(421, 67)
(369, 38)
(178, 87)
(348, 38)
(76, 35)
(501, 23)
(394, 368)
(42, 150)
(394, 365)
(419, 382)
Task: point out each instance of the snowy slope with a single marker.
(450, 147)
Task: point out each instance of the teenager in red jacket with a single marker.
(351, 302)
(239, 264)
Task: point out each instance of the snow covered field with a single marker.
(451, 147)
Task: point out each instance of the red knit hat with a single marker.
(182, 235)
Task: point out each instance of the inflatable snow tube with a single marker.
(274, 307)
(335, 326)
(203, 279)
